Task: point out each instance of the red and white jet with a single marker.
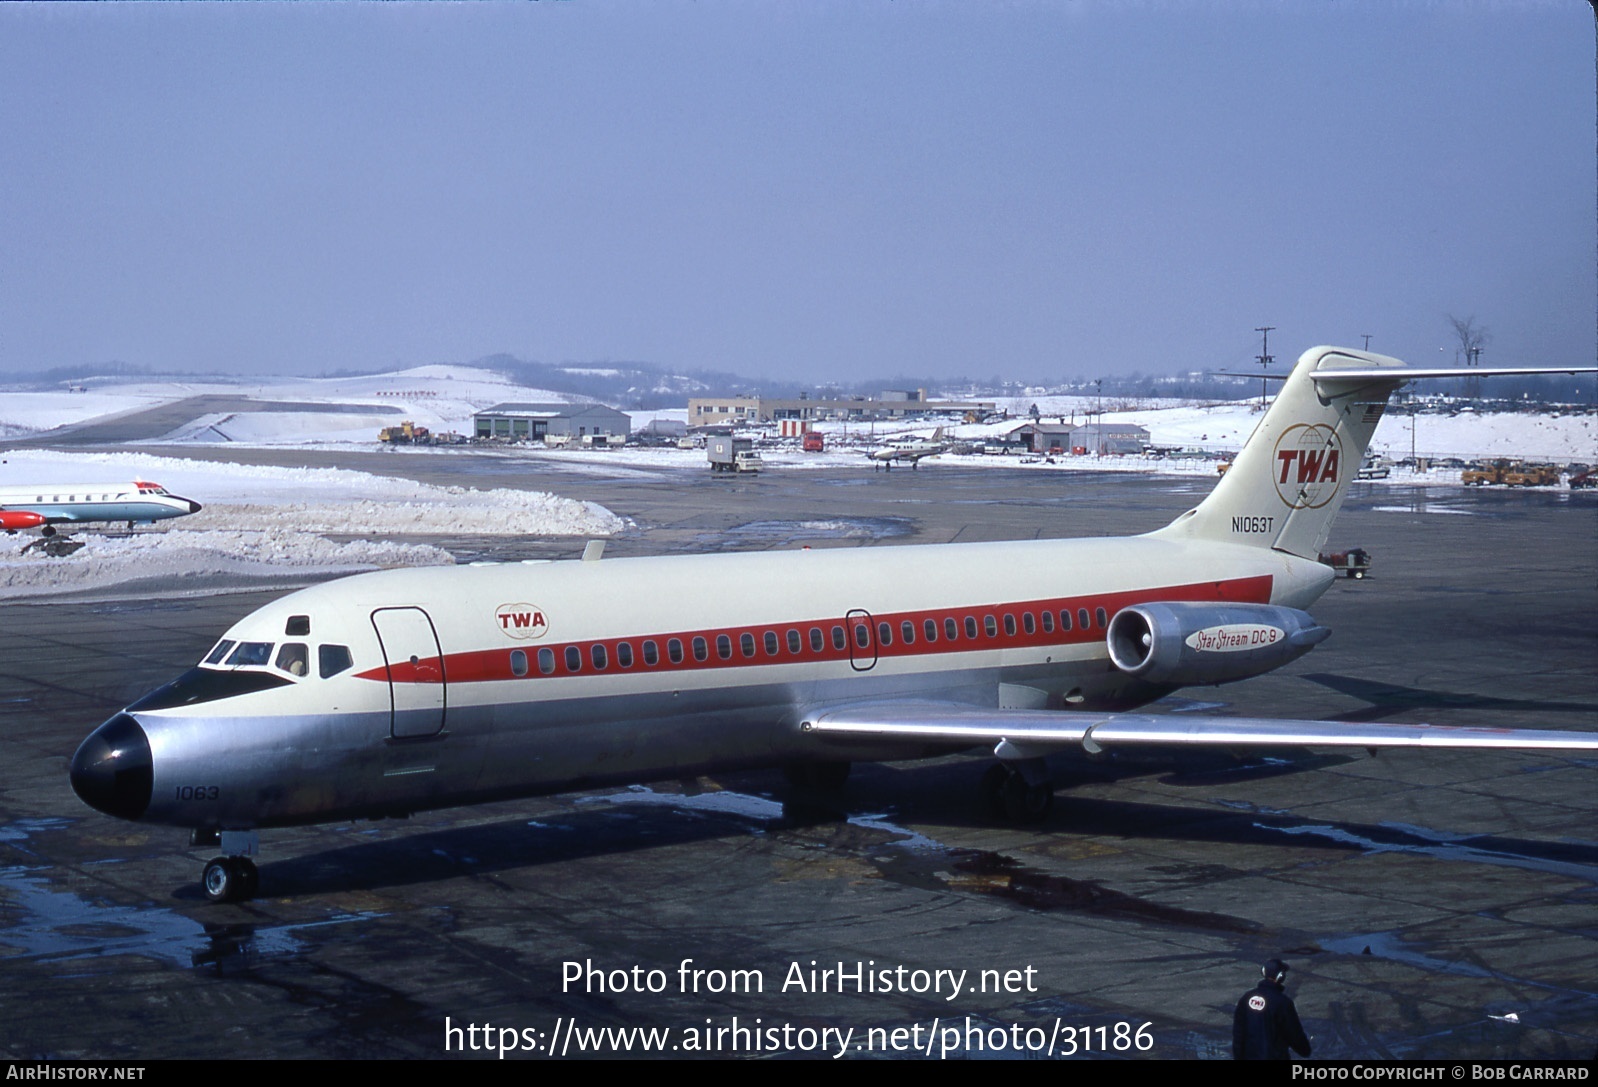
(46, 505)
(398, 691)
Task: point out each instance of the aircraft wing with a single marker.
(1028, 733)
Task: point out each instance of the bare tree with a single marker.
(1472, 337)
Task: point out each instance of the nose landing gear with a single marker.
(232, 877)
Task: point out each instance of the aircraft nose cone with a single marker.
(112, 771)
(194, 507)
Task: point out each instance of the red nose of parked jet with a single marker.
(113, 771)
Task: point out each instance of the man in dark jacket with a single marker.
(1265, 1025)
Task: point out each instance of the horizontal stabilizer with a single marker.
(1408, 374)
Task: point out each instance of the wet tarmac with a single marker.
(1431, 904)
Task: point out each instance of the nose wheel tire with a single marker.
(230, 879)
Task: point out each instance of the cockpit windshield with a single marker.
(249, 653)
(291, 657)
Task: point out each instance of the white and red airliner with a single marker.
(388, 693)
(45, 505)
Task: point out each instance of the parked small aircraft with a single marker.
(393, 692)
(46, 505)
(909, 449)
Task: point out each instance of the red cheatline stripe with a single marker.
(485, 665)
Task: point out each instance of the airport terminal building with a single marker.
(892, 404)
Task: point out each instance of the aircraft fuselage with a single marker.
(453, 686)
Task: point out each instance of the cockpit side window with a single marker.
(333, 659)
(293, 658)
(221, 650)
(251, 653)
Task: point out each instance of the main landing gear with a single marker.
(232, 877)
(1017, 792)
(825, 776)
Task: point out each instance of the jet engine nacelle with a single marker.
(1182, 644)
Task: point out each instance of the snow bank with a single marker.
(262, 522)
(179, 558)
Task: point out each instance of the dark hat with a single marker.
(1276, 969)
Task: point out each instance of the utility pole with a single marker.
(1265, 359)
(1367, 336)
(1098, 434)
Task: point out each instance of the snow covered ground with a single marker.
(263, 522)
(441, 398)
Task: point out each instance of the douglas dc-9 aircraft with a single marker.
(392, 692)
(51, 504)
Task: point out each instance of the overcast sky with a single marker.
(834, 190)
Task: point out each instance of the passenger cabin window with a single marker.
(293, 658)
(624, 654)
(574, 659)
(518, 662)
(839, 641)
(1027, 623)
(1048, 622)
(651, 653)
(546, 661)
(723, 646)
(771, 643)
(599, 657)
(970, 626)
(884, 634)
(989, 625)
(795, 642)
(333, 659)
(701, 649)
(746, 642)
(1082, 618)
(817, 642)
(298, 626)
(951, 629)
(930, 630)
(1065, 618)
(1103, 619)
(907, 632)
(674, 650)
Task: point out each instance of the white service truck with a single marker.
(729, 454)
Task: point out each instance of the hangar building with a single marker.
(535, 422)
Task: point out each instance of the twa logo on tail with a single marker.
(521, 620)
(1308, 465)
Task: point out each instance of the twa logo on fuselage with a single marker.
(1308, 465)
(521, 620)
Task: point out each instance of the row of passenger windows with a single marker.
(748, 646)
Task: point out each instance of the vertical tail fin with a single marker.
(1287, 485)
